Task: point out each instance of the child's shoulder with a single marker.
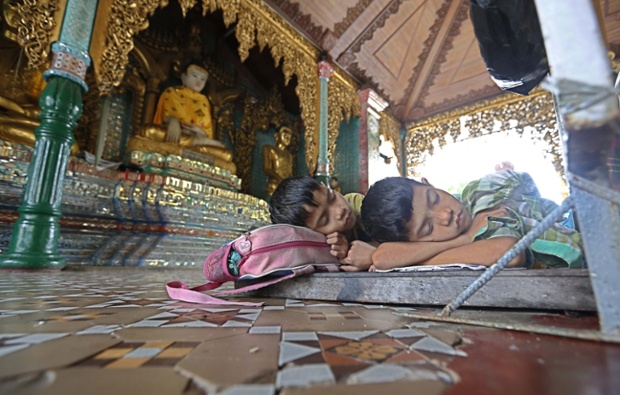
(355, 200)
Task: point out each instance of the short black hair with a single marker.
(387, 208)
(287, 204)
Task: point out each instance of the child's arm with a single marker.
(406, 253)
(458, 250)
(481, 252)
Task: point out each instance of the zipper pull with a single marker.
(245, 245)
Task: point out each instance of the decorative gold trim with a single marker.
(39, 21)
(389, 127)
(483, 118)
(186, 5)
(119, 21)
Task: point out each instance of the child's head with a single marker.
(401, 209)
(304, 201)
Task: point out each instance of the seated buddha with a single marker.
(183, 121)
(277, 160)
(19, 89)
(19, 120)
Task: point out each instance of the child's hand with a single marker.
(480, 220)
(339, 245)
(359, 257)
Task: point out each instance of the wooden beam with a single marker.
(556, 289)
(430, 60)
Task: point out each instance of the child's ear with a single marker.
(425, 181)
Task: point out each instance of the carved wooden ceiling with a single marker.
(419, 55)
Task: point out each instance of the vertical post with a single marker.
(150, 99)
(371, 106)
(322, 168)
(34, 241)
(364, 96)
(581, 72)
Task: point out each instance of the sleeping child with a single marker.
(303, 201)
(418, 224)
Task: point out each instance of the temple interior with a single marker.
(136, 138)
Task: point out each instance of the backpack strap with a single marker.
(298, 271)
(180, 291)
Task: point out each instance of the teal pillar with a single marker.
(34, 241)
(322, 173)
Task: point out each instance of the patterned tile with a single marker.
(132, 355)
(69, 317)
(203, 317)
(342, 315)
(355, 357)
(11, 342)
(99, 329)
(118, 332)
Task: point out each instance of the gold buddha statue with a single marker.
(277, 160)
(18, 122)
(19, 89)
(183, 121)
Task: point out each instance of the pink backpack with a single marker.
(279, 251)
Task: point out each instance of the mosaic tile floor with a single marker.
(115, 331)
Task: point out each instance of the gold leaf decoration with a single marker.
(186, 5)
(36, 24)
(389, 127)
(343, 103)
(125, 19)
(487, 117)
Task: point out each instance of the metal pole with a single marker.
(588, 112)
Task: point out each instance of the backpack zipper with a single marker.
(288, 245)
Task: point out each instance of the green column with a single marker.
(35, 234)
(34, 241)
(322, 173)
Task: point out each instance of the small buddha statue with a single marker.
(277, 160)
(334, 184)
(183, 121)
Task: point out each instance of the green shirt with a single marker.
(358, 232)
(558, 246)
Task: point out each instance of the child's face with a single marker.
(333, 213)
(437, 215)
